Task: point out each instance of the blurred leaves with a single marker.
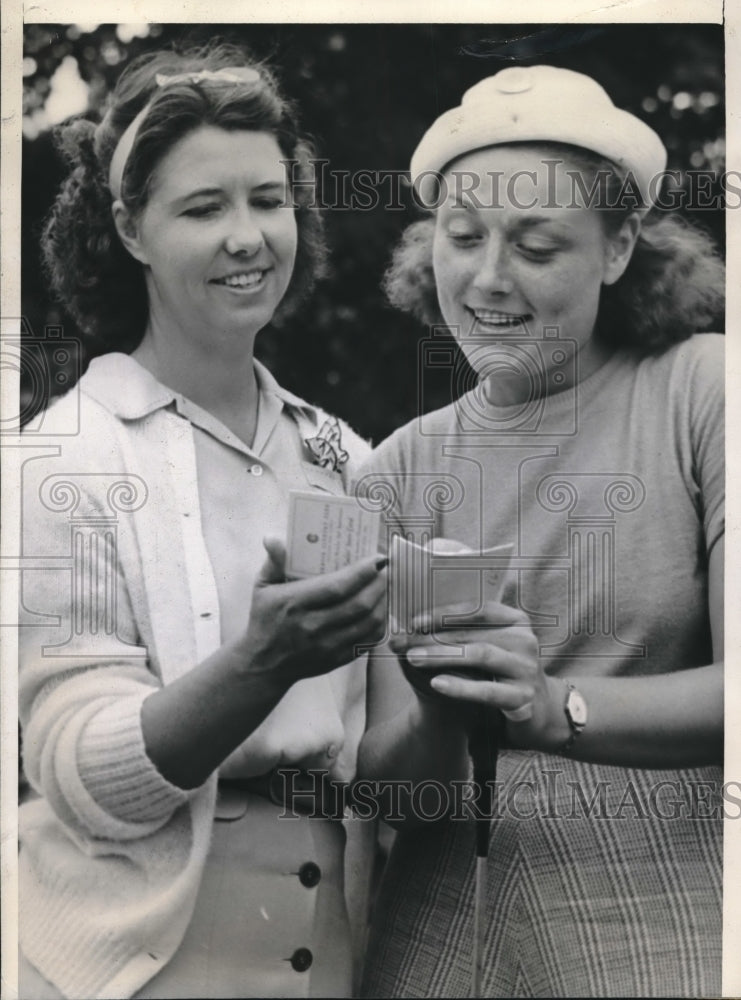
(367, 94)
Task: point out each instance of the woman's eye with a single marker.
(202, 211)
(463, 237)
(537, 252)
(268, 203)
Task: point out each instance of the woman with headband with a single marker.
(168, 669)
(592, 442)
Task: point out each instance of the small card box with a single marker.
(327, 532)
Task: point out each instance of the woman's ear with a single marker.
(619, 249)
(128, 231)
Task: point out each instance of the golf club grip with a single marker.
(485, 731)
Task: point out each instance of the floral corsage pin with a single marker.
(326, 448)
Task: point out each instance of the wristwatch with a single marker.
(575, 708)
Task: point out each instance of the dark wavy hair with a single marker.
(95, 278)
(674, 284)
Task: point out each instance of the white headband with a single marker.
(546, 104)
(232, 74)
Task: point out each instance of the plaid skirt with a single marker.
(602, 882)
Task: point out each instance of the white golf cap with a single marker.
(542, 104)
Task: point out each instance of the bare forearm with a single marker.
(419, 744)
(414, 745)
(192, 725)
(663, 721)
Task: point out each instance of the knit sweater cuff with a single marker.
(116, 770)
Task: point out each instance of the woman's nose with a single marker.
(493, 275)
(244, 235)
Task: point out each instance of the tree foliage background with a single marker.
(367, 94)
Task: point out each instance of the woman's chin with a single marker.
(242, 317)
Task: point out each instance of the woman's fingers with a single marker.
(276, 550)
(468, 636)
(273, 569)
(522, 714)
(303, 628)
(495, 623)
(492, 614)
(437, 645)
(507, 697)
(325, 634)
(480, 656)
(332, 589)
(489, 658)
(363, 614)
(330, 643)
(367, 603)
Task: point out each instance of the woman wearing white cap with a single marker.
(593, 443)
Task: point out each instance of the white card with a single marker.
(327, 532)
(423, 580)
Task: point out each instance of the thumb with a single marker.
(273, 570)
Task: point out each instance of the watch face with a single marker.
(577, 709)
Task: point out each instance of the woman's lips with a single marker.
(496, 320)
(242, 280)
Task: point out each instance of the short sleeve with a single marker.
(707, 432)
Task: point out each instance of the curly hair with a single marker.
(674, 284)
(92, 274)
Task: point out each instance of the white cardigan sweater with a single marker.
(127, 479)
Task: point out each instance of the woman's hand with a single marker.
(297, 629)
(302, 628)
(671, 720)
(492, 661)
(457, 673)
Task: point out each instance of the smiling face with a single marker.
(515, 258)
(217, 238)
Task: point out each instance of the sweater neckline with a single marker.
(558, 402)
